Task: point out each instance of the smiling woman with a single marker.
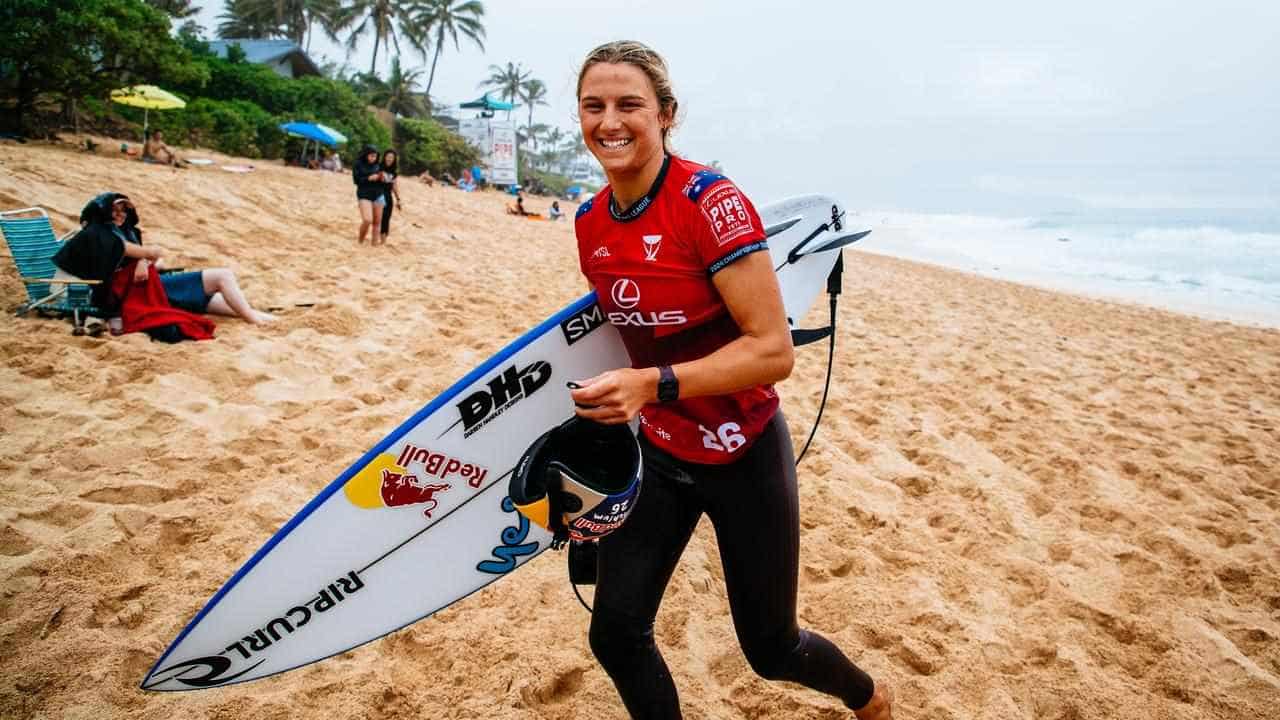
(673, 249)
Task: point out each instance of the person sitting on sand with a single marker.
(554, 213)
(156, 151)
(331, 162)
(110, 240)
(426, 179)
(518, 208)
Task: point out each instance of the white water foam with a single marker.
(1204, 270)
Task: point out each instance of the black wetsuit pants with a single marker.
(753, 506)
(386, 213)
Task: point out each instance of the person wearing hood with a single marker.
(370, 193)
(110, 241)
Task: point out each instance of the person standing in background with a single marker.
(391, 195)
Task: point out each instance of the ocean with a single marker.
(1220, 264)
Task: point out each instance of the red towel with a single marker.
(144, 305)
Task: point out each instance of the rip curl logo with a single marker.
(216, 667)
(651, 245)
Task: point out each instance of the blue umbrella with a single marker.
(314, 131)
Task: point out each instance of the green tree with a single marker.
(248, 19)
(386, 19)
(297, 18)
(443, 18)
(176, 9)
(534, 93)
(507, 81)
(425, 145)
(399, 93)
(74, 48)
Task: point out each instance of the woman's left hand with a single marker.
(615, 396)
(140, 271)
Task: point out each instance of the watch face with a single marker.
(668, 386)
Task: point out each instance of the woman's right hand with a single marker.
(140, 271)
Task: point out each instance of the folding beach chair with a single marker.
(32, 245)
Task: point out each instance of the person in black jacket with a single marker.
(370, 193)
(109, 239)
(391, 193)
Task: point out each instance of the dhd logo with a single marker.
(503, 391)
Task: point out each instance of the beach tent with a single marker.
(147, 97)
(486, 105)
(321, 134)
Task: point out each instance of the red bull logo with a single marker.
(403, 489)
(441, 465)
(417, 477)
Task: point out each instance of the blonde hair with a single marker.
(650, 63)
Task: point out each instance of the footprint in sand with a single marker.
(14, 543)
(135, 494)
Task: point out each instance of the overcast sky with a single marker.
(986, 106)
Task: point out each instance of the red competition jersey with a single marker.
(652, 268)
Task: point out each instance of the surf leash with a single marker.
(803, 337)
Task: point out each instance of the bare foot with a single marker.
(262, 317)
(879, 708)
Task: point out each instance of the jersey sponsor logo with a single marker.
(651, 244)
(648, 319)
(505, 390)
(601, 252)
(580, 325)
(626, 293)
(727, 213)
(657, 430)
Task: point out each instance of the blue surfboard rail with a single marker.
(480, 371)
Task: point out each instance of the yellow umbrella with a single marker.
(147, 97)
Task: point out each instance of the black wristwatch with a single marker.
(668, 385)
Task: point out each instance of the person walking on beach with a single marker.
(370, 193)
(390, 180)
(673, 251)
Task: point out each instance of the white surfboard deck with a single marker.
(423, 519)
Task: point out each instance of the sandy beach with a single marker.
(1020, 503)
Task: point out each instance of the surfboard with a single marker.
(423, 520)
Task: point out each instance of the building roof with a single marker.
(269, 51)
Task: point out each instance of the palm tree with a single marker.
(535, 133)
(298, 17)
(507, 81)
(448, 17)
(381, 17)
(399, 93)
(247, 19)
(534, 92)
